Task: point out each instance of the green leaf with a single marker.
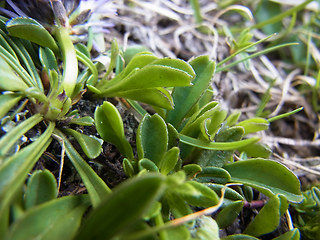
(150, 76)
(239, 237)
(208, 229)
(30, 29)
(178, 233)
(8, 101)
(159, 97)
(256, 150)
(186, 97)
(110, 127)
(16, 168)
(56, 219)
(220, 157)
(41, 187)
(82, 121)
(96, 187)
(48, 59)
(191, 170)
(128, 167)
(197, 194)
(213, 174)
(178, 205)
(267, 219)
(265, 11)
(216, 145)
(152, 138)
(90, 146)
(290, 235)
(9, 80)
(228, 214)
(110, 218)
(230, 193)
(169, 160)
(253, 125)
(269, 177)
(147, 164)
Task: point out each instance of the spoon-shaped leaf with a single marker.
(152, 138)
(30, 29)
(267, 176)
(110, 127)
(42, 187)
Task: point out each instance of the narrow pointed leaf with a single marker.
(216, 145)
(96, 187)
(16, 168)
(267, 176)
(110, 218)
(90, 146)
(7, 101)
(56, 219)
(10, 81)
(291, 235)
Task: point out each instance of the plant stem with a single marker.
(70, 62)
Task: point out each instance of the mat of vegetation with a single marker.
(165, 119)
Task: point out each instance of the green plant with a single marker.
(184, 164)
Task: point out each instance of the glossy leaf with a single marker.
(41, 187)
(152, 138)
(186, 97)
(228, 214)
(8, 101)
(30, 29)
(110, 127)
(111, 217)
(213, 174)
(90, 146)
(267, 176)
(96, 187)
(169, 160)
(56, 219)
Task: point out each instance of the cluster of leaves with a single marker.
(185, 151)
(307, 217)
